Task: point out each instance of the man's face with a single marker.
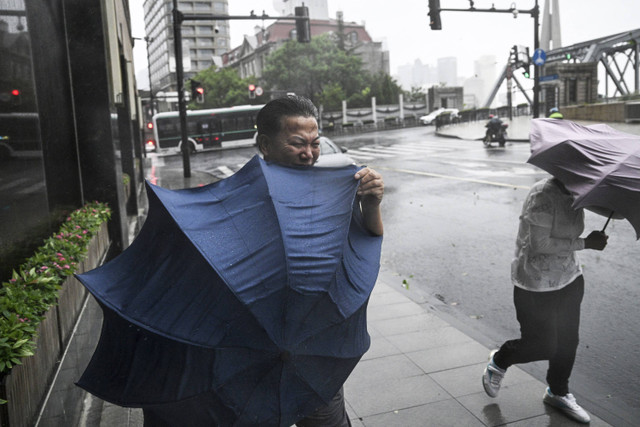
(297, 144)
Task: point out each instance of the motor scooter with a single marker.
(498, 135)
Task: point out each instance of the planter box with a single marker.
(26, 385)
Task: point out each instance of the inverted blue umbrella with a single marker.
(239, 303)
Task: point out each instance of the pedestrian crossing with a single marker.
(363, 154)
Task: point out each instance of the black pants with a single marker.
(549, 324)
(332, 415)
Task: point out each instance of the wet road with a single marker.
(451, 216)
(451, 212)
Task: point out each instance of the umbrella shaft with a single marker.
(607, 223)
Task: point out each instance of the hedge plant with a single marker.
(33, 287)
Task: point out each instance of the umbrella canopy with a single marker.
(247, 297)
(599, 165)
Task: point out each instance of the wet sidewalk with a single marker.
(419, 371)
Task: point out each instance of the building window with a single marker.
(572, 91)
(201, 6)
(205, 41)
(219, 7)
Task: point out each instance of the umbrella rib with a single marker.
(612, 168)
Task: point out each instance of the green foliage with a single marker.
(326, 74)
(331, 97)
(384, 88)
(310, 68)
(223, 88)
(33, 288)
(417, 94)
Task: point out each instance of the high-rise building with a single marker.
(448, 71)
(203, 42)
(318, 9)
(417, 75)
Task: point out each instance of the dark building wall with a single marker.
(64, 141)
(96, 118)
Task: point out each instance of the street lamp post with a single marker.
(151, 98)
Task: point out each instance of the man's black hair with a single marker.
(269, 119)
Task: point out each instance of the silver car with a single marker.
(331, 155)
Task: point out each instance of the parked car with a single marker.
(430, 118)
(331, 155)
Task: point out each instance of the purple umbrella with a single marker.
(599, 165)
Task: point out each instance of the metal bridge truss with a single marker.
(619, 54)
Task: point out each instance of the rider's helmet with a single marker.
(553, 110)
(491, 116)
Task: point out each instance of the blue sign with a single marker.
(548, 78)
(539, 57)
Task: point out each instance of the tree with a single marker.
(222, 88)
(417, 94)
(308, 69)
(384, 88)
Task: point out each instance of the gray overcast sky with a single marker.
(404, 26)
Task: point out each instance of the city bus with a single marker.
(218, 127)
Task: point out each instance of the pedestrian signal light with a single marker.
(252, 91)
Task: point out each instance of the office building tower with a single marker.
(203, 42)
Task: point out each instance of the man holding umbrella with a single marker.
(548, 291)
(288, 135)
(243, 302)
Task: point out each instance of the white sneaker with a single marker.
(492, 377)
(568, 405)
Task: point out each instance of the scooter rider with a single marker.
(494, 128)
(494, 124)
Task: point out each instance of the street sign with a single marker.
(539, 57)
(259, 91)
(549, 77)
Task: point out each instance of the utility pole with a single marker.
(436, 24)
(303, 31)
(182, 106)
(148, 40)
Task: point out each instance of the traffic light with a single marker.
(434, 14)
(197, 92)
(526, 73)
(252, 91)
(567, 56)
(303, 26)
(514, 55)
(16, 97)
